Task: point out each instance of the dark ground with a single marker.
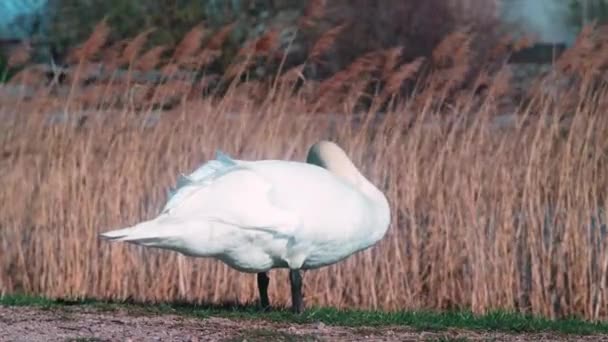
(91, 324)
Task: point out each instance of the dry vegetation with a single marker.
(484, 216)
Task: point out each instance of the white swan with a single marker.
(259, 215)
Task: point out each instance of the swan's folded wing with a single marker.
(205, 174)
(233, 194)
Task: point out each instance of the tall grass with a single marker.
(484, 216)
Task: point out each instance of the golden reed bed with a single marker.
(483, 217)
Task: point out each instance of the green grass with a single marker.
(262, 335)
(448, 339)
(420, 320)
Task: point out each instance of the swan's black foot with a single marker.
(263, 281)
(297, 302)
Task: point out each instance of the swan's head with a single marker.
(330, 156)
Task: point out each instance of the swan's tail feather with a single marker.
(145, 233)
(115, 234)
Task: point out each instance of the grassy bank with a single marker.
(420, 320)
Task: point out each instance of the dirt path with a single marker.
(88, 324)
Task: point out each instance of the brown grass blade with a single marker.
(111, 56)
(207, 57)
(267, 43)
(169, 70)
(293, 74)
(403, 73)
(93, 44)
(445, 49)
(326, 41)
(20, 55)
(391, 60)
(362, 65)
(134, 47)
(151, 58)
(189, 45)
(217, 40)
(314, 10)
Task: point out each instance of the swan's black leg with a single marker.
(263, 282)
(297, 303)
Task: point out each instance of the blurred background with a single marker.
(53, 26)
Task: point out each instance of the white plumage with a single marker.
(259, 215)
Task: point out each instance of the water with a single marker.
(18, 18)
(548, 19)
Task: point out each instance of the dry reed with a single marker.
(313, 11)
(189, 45)
(20, 55)
(483, 217)
(92, 45)
(404, 72)
(134, 47)
(218, 39)
(151, 58)
(326, 41)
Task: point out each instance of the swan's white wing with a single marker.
(227, 191)
(205, 174)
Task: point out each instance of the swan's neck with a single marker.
(374, 194)
(340, 165)
(378, 201)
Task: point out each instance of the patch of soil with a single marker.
(89, 324)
